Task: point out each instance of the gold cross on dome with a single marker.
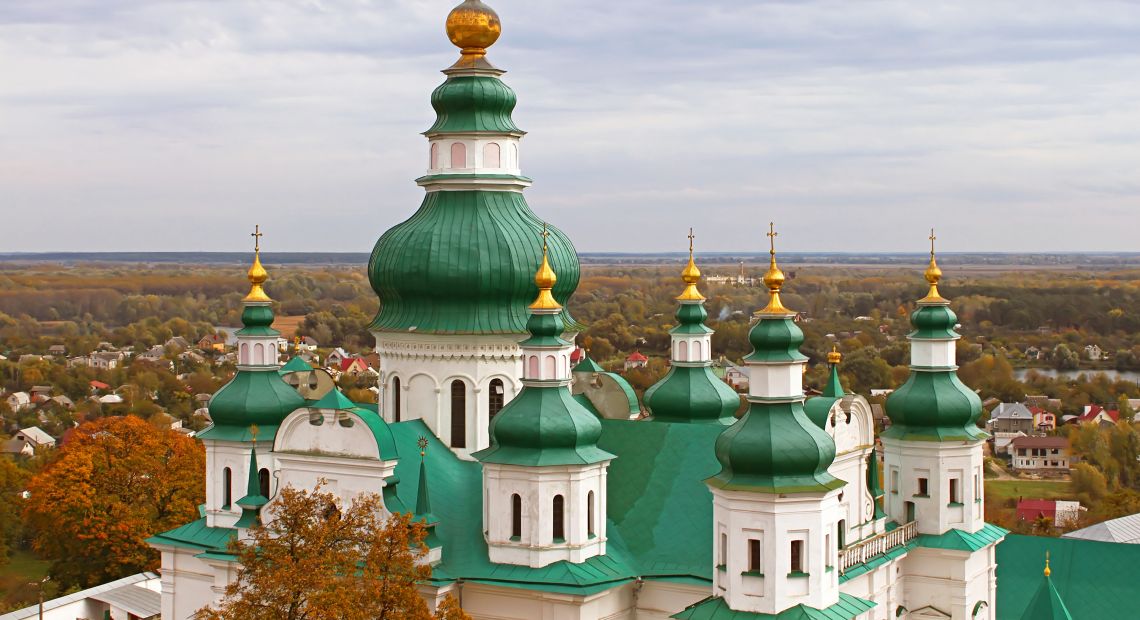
(691, 237)
(545, 233)
(932, 240)
(772, 234)
(257, 235)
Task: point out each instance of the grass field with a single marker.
(288, 325)
(1000, 490)
(22, 569)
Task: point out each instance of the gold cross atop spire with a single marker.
(690, 275)
(257, 274)
(774, 278)
(933, 274)
(545, 278)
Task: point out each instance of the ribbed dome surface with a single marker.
(544, 426)
(936, 404)
(473, 103)
(254, 397)
(464, 264)
(692, 394)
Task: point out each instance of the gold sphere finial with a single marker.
(545, 278)
(834, 357)
(933, 275)
(774, 278)
(257, 274)
(473, 27)
(690, 275)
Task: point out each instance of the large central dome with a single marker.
(464, 264)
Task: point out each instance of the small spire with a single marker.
(544, 279)
(423, 500)
(690, 275)
(257, 274)
(933, 274)
(1048, 572)
(774, 278)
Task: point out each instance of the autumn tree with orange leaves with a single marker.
(114, 482)
(317, 560)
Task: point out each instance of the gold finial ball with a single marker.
(257, 274)
(691, 274)
(545, 278)
(473, 26)
(933, 274)
(834, 357)
(774, 278)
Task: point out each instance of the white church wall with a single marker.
(907, 463)
(951, 581)
(881, 585)
(235, 456)
(188, 583)
(659, 600)
(486, 602)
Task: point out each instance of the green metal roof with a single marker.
(295, 364)
(691, 319)
(335, 399)
(1047, 604)
(257, 319)
(775, 339)
(195, 535)
(464, 264)
(934, 322)
(588, 365)
(692, 394)
(252, 397)
(934, 406)
(626, 389)
(1095, 579)
(775, 448)
(717, 608)
(473, 103)
(544, 426)
(961, 540)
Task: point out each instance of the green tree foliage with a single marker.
(12, 480)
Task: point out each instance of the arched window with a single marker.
(227, 487)
(514, 160)
(697, 351)
(395, 399)
(491, 155)
(258, 354)
(516, 516)
(243, 358)
(495, 396)
(559, 519)
(434, 163)
(590, 513)
(532, 367)
(263, 480)
(458, 155)
(551, 371)
(458, 414)
(682, 351)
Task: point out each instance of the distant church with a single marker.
(547, 496)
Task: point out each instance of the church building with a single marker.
(564, 499)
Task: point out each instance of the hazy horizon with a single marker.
(179, 124)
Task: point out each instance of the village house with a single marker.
(636, 360)
(16, 448)
(1011, 418)
(178, 342)
(1060, 513)
(1033, 354)
(36, 436)
(736, 377)
(337, 356)
(352, 366)
(57, 349)
(63, 401)
(105, 360)
(212, 342)
(18, 401)
(1094, 353)
(40, 393)
(1040, 454)
(1095, 414)
(1044, 421)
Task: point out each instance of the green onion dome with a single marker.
(691, 319)
(254, 397)
(934, 323)
(775, 448)
(818, 407)
(934, 406)
(464, 264)
(256, 321)
(776, 340)
(473, 103)
(692, 394)
(544, 426)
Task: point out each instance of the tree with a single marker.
(11, 483)
(316, 559)
(114, 482)
(1088, 484)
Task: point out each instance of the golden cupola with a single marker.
(690, 275)
(473, 27)
(933, 275)
(774, 278)
(257, 274)
(545, 279)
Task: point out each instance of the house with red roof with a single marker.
(1095, 414)
(636, 360)
(352, 365)
(1059, 512)
(1043, 420)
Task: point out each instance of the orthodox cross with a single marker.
(691, 237)
(932, 239)
(545, 234)
(257, 235)
(772, 234)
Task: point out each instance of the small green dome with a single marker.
(933, 322)
(776, 339)
(257, 320)
(691, 319)
(692, 394)
(544, 426)
(473, 103)
(934, 406)
(775, 448)
(254, 397)
(464, 264)
(545, 331)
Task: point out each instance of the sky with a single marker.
(854, 125)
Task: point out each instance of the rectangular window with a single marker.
(754, 559)
(923, 487)
(797, 556)
(955, 496)
(894, 480)
(723, 549)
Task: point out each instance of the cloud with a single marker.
(177, 124)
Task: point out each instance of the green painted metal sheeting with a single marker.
(544, 426)
(464, 264)
(934, 322)
(253, 397)
(961, 540)
(692, 394)
(775, 340)
(473, 103)
(934, 406)
(717, 608)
